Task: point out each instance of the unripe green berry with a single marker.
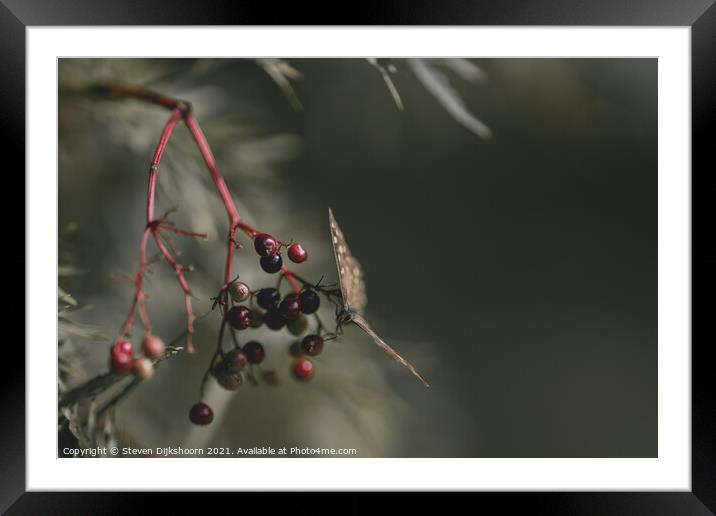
(235, 360)
(227, 379)
(298, 325)
(239, 291)
(271, 377)
(143, 368)
(257, 320)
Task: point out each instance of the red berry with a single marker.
(201, 414)
(153, 347)
(254, 352)
(303, 369)
(297, 254)
(312, 345)
(123, 346)
(268, 298)
(310, 301)
(290, 307)
(271, 263)
(274, 320)
(120, 356)
(119, 362)
(235, 360)
(239, 317)
(265, 244)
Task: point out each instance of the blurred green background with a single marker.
(517, 273)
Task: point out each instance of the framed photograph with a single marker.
(435, 250)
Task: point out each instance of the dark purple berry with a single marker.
(265, 244)
(310, 301)
(201, 414)
(254, 352)
(274, 320)
(271, 263)
(239, 317)
(290, 307)
(268, 298)
(235, 360)
(312, 345)
(297, 254)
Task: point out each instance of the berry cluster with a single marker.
(244, 309)
(241, 308)
(289, 311)
(266, 306)
(269, 250)
(122, 359)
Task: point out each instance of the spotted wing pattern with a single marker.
(350, 274)
(350, 278)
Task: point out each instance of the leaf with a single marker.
(438, 84)
(386, 68)
(467, 70)
(67, 328)
(281, 72)
(66, 297)
(67, 270)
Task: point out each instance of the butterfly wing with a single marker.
(363, 324)
(350, 273)
(350, 278)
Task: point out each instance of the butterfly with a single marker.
(352, 286)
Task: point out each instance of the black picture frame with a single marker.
(700, 15)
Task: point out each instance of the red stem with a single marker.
(180, 110)
(208, 156)
(291, 280)
(139, 297)
(179, 271)
(234, 219)
(157, 159)
(126, 90)
(221, 187)
(138, 300)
